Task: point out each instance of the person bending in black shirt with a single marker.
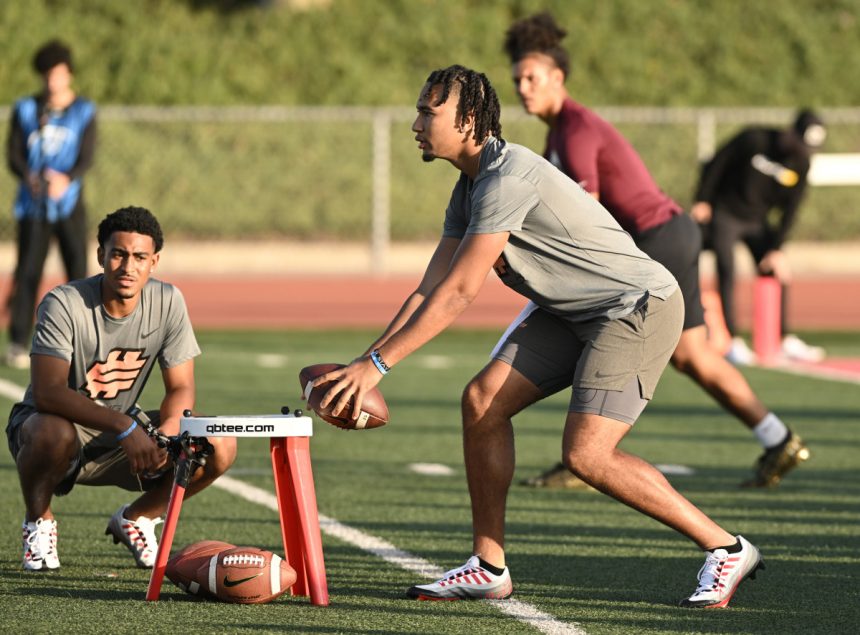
(754, 172)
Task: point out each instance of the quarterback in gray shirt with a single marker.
(607, 321)
(95, 344)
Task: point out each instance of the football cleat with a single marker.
(138, 535)
(796, 350)
(557, 477)
(722, 574)
(40, 545)
(469, 582)
(777, 461)
(740, 354)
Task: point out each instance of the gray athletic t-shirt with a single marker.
(565, 253)
(111, 358)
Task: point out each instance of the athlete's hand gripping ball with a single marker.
(372, 411)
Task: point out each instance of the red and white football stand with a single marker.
(294, 488)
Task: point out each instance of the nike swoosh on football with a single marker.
(228, 582)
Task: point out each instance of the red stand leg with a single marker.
(177, 494)
(297, 506)
(299, 458)
(289, 516)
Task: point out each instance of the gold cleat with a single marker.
(557, 477)
(778, 461)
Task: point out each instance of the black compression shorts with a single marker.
(676, 245)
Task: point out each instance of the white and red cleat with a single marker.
(138, 535)
(722, 574)
(469, 582)
(40, 545)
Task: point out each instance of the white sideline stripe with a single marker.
(531, 615)
(522, 611)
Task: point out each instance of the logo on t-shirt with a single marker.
(53, 139)
(107, 379)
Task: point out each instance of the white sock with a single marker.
(770, 431)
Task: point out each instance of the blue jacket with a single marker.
(55, 145)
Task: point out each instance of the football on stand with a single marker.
(183, 565)
(245, 575)
(374, 411)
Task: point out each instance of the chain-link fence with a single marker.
(354, 173)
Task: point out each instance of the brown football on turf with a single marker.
(245, 575)
(374, 411)
(182, 567)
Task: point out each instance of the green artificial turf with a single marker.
(579, 557)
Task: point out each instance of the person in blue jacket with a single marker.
(51, 143)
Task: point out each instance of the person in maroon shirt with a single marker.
(595, 155)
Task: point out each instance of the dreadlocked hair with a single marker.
(537, 34)
(476, 96)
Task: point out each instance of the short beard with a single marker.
(125, 295)
(428, 158)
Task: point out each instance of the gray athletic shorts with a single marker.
(613, 366)
(101, 461)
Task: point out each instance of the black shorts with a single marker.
(676, 245)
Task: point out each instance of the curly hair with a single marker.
(476, 96)
(537, 34)
(131, 219)
(52, 54)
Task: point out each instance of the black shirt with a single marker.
(756, 171)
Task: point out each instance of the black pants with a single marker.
(34, 240)
(721, 235)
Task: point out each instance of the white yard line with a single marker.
(435, 362)
(522, 611)
(431, 469)
(271, 360)
(10, 390)
(673, 469)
